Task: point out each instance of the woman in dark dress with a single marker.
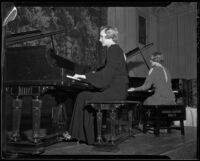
(160, 79)
(112, 80)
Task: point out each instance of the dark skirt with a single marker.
(82, 126)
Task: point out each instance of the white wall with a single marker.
(171, 29)
(177, 40)
(126, 20)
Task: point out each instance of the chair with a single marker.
(162, 116)
(111, 107)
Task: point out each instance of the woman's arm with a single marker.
(147, 84)
(103, 78)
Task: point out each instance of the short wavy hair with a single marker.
(111, 32)
(157, 57)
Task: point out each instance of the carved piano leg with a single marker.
(130, 120)
(37, 104)
(112, 116)
(119, 122)
(99, 124)
(182, 127)
(157, 124)
(17, 109)
(61, 118)
(145, 116)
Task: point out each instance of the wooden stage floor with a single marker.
(167, 146)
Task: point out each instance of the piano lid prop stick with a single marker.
(144, 59)
(52, 42)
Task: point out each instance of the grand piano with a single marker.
(177, 84)
(35, 71)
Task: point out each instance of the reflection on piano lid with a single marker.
(61, 62)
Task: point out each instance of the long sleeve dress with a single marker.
(163, 94)
(113, 82)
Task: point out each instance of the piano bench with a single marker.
(156, 117)
(112, 107)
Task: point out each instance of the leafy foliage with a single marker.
(80, 41)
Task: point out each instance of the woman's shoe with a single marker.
(140, 126)
(66, 136)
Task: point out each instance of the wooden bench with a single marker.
(111, 107)
(162, 116)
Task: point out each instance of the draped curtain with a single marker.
(177, 40)
(173, 32)
(124, 19)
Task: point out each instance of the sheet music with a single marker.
(175, 91)
(71, 77)
(140, 91)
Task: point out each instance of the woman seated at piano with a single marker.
(159, 79)
(112, 80)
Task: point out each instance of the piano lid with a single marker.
(36, 34)
(134, 51)
(17, 35)
(29, 36)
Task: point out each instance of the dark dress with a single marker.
(163, 94)
(113, 82)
